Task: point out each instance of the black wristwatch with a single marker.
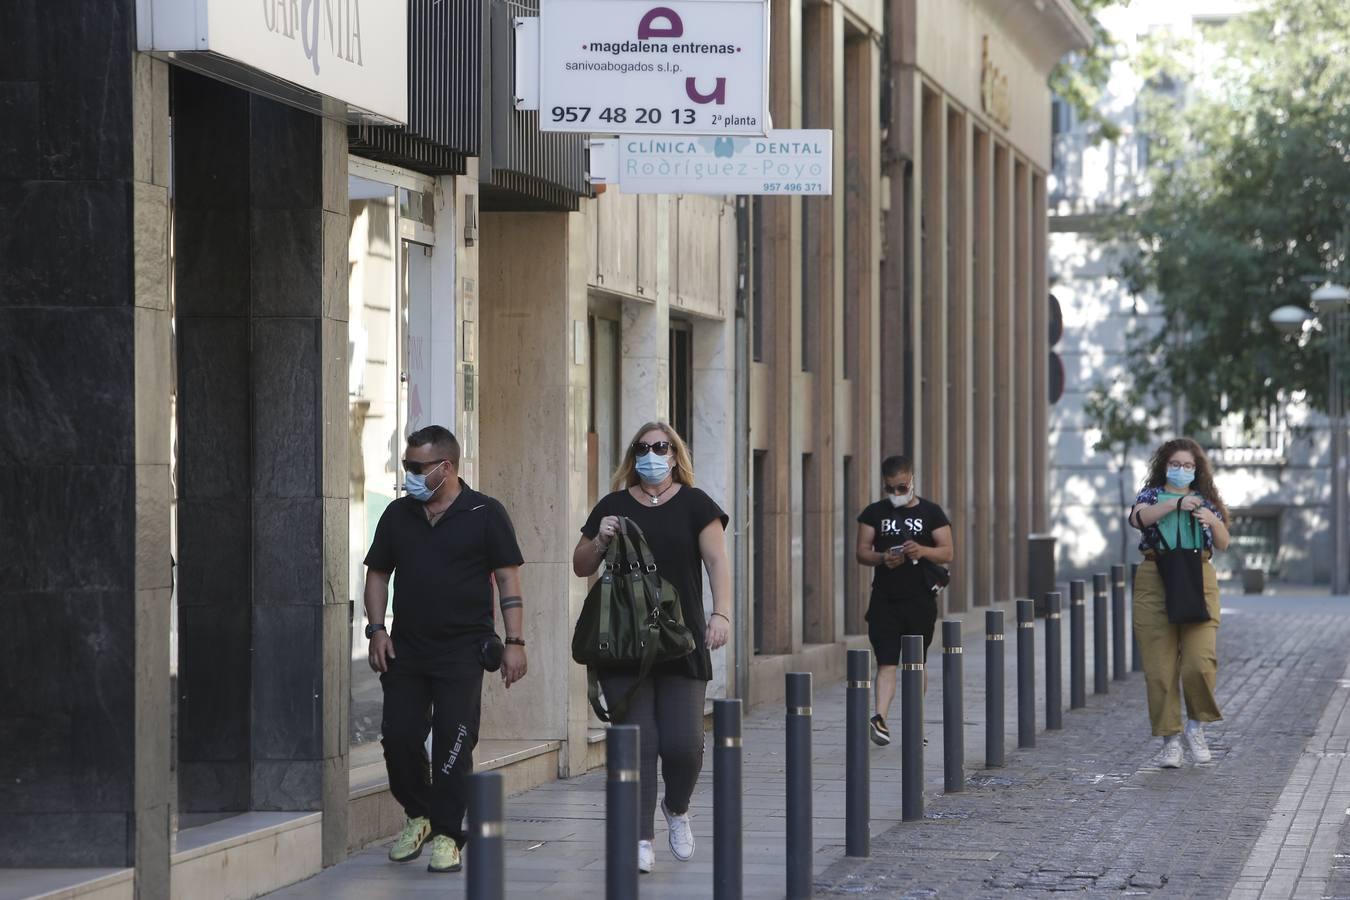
(519, 642)
(371, 629)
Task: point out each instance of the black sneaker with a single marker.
(881, 735)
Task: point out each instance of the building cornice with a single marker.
(1045, 29)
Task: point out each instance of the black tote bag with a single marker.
(1183, 578)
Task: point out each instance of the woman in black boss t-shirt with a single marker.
(686, 530)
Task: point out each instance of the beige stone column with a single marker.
(862, 311)
(979, 560)
(1040, 357)
(533, 420)
(958, 398)
(153, 331)
(644, 386)
(1004, 524)
(820, 326)
(931, 358)
(1021, 371)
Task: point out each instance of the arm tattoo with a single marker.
(511, 603)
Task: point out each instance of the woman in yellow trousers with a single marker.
(1178, 507)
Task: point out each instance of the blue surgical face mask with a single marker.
(416, 486)
(652, 468)
(1179, 476)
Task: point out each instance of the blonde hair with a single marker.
(625, 476)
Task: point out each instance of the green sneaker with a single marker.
(410, 840)
(444, 855)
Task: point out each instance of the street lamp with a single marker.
(1330, 301)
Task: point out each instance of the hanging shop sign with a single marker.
(784, 162)
(342, 58)
(632, 67)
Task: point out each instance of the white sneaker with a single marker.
(1196, 743)
(681, 834)
(1170, 757)
(646, 857)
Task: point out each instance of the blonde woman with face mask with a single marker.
(686, 531)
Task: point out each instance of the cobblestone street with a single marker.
(1083, 811)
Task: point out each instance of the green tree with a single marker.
(1250, 189)
(1080, 78)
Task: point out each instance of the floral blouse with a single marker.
(1152, 536)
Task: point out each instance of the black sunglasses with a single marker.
(417, 468)
(897, 489)
(660, 448)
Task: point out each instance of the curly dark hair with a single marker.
(1204, 473)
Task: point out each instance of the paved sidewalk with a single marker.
(1083, 811)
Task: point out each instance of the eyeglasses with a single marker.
(660, 448)
(897, 488)
(1189, 467)
(417, 468)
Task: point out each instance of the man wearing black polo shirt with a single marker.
(447, 542)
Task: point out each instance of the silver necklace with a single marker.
(656, 498)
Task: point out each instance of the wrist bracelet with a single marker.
(723, 615)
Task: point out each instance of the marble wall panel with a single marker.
(214, 408)
(287, 256)
(212, 266)
(20, 55)
(288, 562)
(76, 217)
(214, 680)
(65, 385)
(100, 630)
(284, 153)
(19, 138)
(43, 840)
(210, 142)
(288, 784)
(286, 428)
(288, 678)
(215, 541)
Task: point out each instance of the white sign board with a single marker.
(674, 67)
(353, 51)
(785, 162)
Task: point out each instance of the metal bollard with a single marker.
(1077, 645)
(857, 777)
(953, 710)
(1118, 662)
(727, 859)
(1026, 673)
(911, 727)
(1054, 666)
(1100, 621)
(993, 688)
(800, 852)
(623, 797)
(485, 852)
(1136, 659)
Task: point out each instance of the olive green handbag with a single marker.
(631, 619)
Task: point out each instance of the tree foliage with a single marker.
(1080, 78)
(1249, 167)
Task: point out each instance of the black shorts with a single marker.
(889, 618)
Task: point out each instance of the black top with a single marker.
(893, 527)
(442, 572)
(672, 531)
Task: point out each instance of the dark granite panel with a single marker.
(214, 678)
(287, 684)
(67, 528)
(210, 143)
(65, 840)
(211, 261)
(36, 764)
(213, 408)
(18, 127)
(287, 264)
(66, 386)
(286, 437)
(213, 786)
(87, 53)
(20, 52)
(285, 157)
(74, 245)
(101, 632)
(288, 551)
(282, 786)
(215, 537)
